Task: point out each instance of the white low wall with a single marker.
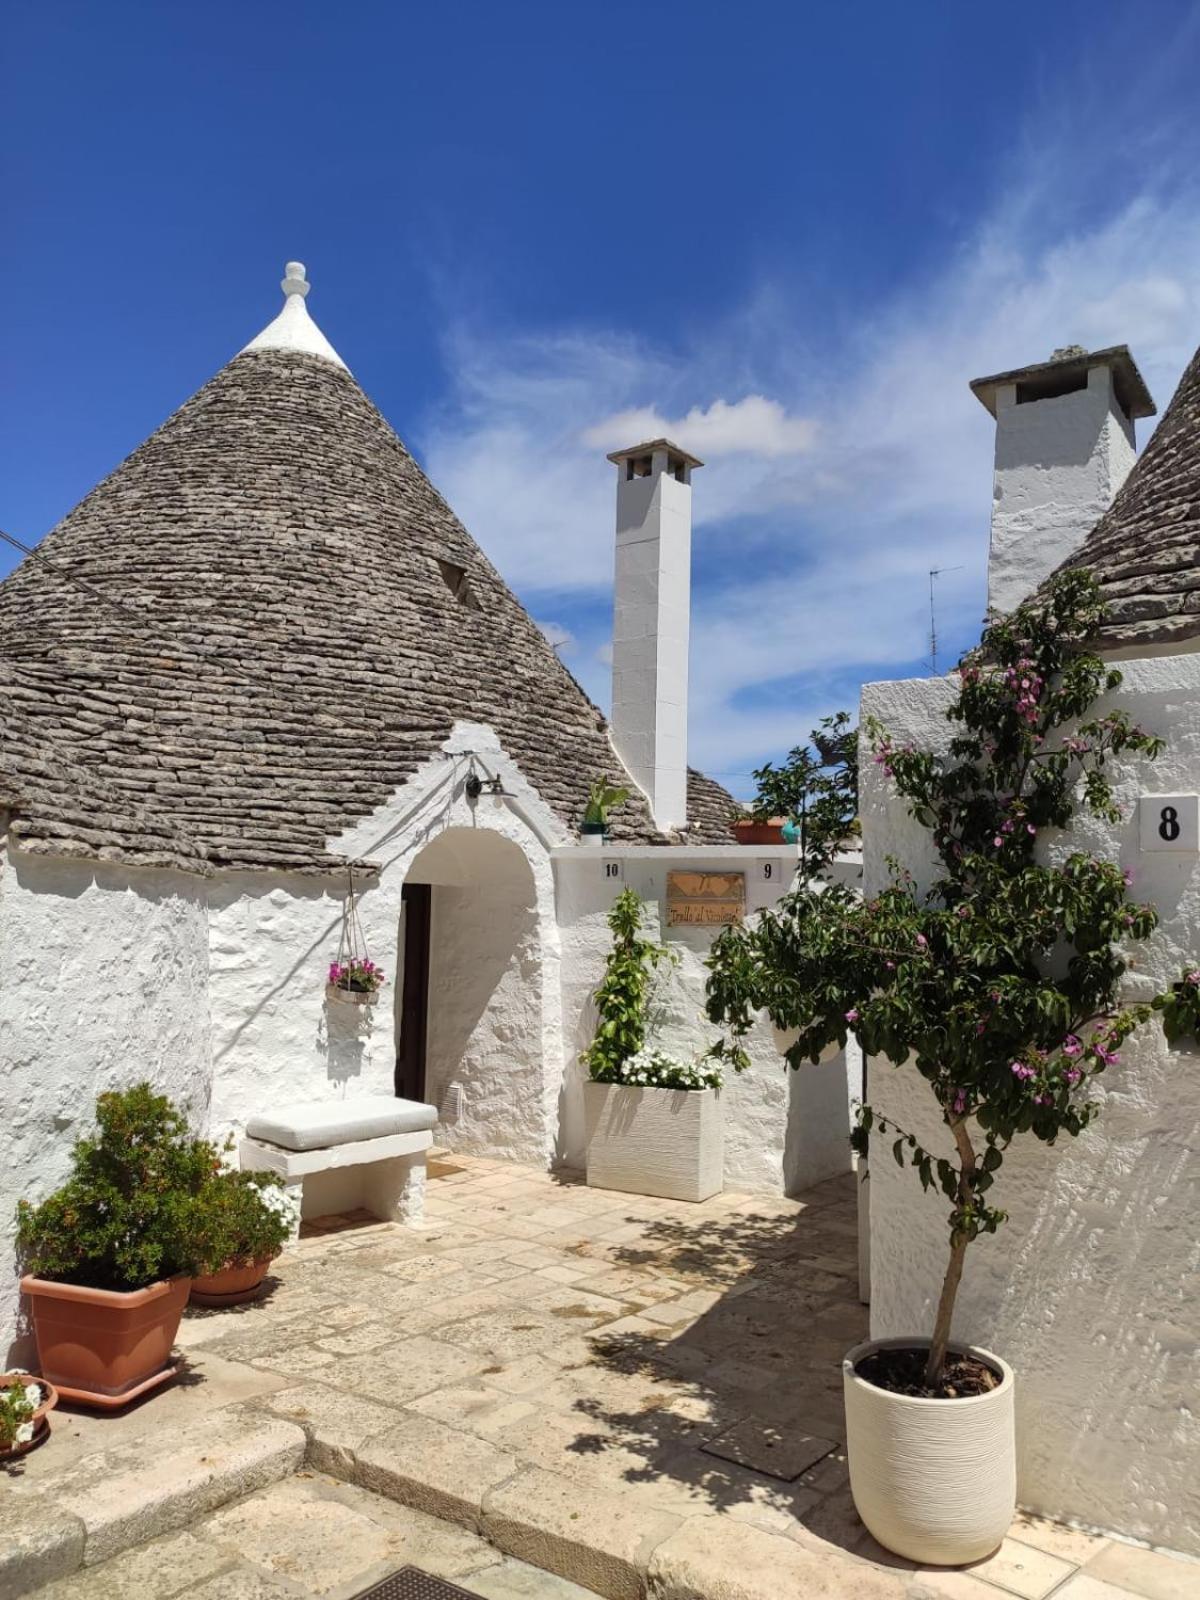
(1091, 1289)
(784, 1130)
(103, 982)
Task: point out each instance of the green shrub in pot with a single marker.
(129, 1215)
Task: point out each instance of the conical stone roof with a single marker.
(1145, 550)
(297, 621)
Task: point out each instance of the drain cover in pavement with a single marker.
(410, 1583)
(768, 1449)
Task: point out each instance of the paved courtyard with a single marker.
(634, 1395)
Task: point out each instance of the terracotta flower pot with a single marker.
(232, 1285)
(103, 1347)
(747, 831)
(41, 1426)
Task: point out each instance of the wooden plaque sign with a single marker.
(710, 898)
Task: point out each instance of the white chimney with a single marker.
(652, 621)
(1064, 446)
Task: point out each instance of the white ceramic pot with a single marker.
(668, 1142)
(934, 1480)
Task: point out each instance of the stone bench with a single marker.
(340, 1155)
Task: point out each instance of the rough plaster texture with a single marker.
(493, 1010)
(1059, 463)
(783, 1130)
(1091, 1289)
(103, 981)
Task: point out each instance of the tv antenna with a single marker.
(934, 574)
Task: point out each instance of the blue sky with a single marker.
(788, 234)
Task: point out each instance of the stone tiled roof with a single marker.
(1145, 550)
(302, 620)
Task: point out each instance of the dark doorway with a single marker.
(414, 994)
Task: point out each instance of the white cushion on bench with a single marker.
(316, 1125)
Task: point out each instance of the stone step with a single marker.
(155, 1483)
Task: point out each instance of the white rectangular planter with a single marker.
(668, 1142)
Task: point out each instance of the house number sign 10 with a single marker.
(1170, 822)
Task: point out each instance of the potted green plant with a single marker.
(1001, 980)
(603, 797)
(654, 1122)
(110, 1255)
(25, 1405)
(816, 789)
(243, 1226)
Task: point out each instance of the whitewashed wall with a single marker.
(784, 1130)
(1092, 1289)
(277, 1039)
(103, 982)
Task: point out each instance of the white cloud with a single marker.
(837, 480)
(557, 637)
(753, 426)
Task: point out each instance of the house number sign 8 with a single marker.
(1170, 822)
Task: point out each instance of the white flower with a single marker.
(33, 1394)
(24, 1433)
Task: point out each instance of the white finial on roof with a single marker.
(293, 328)
(294, 280)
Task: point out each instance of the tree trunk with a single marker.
(958, 1249)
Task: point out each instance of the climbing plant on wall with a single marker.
(623, 998)
(1001, 980)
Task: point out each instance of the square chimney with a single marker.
(652, 621)
(1064, 446)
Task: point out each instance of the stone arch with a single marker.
(486, 1021)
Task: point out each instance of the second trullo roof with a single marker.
(298, 620)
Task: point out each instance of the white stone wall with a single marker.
(784, 1130)
(277, 1039)
(1091, 1290)
(1059, 463)
(103, 982)
(488, 1005)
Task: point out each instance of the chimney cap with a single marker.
(648, 449)
(1045, 378)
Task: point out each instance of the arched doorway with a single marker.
(470, 940)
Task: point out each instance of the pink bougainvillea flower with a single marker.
(1071, 1046)
(852, 1014)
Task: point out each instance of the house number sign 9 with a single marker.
(1170, 822)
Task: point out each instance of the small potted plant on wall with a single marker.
(1001, 981)
(816, 786)
(109, 1256)
(244, 1225)
(602, 798)
(654, 1122)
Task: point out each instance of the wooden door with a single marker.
(414, 993)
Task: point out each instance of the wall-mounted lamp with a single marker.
(475, 786)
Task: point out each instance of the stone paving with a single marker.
(633, 1395)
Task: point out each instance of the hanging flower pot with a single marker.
(353, 979)
(354, 983)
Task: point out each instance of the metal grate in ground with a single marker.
(410, 1583)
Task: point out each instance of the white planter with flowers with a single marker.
(644, 1138)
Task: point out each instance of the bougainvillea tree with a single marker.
(1000, 979)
